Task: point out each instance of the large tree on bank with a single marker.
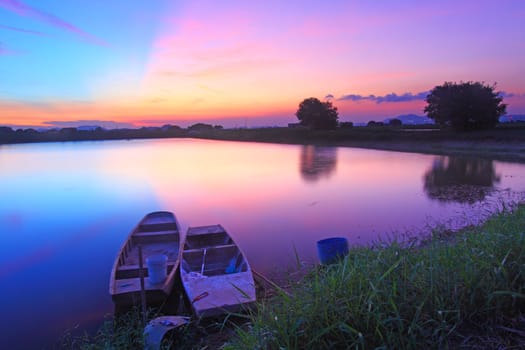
(465, 106)
(317, 115)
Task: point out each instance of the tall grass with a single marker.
(441, 295)
(123, 332)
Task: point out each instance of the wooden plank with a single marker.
(127, 285)
(207, 240)
(224, 292)
(153, 233)
(167, 244)
(200, 230)
(132, 271)
(215, 247)
(154, 237)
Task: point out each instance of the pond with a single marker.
(67, 207)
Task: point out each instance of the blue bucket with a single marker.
(332, 249)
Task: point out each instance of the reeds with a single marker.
(443, 295)
(453, 292)
(122, 332)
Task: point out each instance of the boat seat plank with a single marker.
(205, 230)
(225, 246)
(132, 271)
(172, 252)
(126, 285)
(154, 237)
(153, 233)
(157, 227)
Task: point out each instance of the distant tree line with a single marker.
(9, 135)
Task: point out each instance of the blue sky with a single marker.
(151, 63)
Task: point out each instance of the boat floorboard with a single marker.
(221, 292)
(152, 249)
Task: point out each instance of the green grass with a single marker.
(124, 332)
(461, 291)
(444, 295)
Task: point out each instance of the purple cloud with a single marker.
(21, 30)
(393, 97)
(510, 94)
(407, 96)
(28, 11)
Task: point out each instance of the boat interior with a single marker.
(153, 242)
(160, 226)
(207, 240)
(213, 261)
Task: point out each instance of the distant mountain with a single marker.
(87, 127)
(512, 118)
(411, 119)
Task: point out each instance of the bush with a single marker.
(437, 296)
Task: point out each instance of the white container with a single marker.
(157, 268)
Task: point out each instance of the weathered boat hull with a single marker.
(215, 274)
(158, 233)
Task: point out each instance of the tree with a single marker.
(200, 127)
(465, 106)
(395, 122)
(459, 179)
(346, 125)
(317, 115)
(373, 123)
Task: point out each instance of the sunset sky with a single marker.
(247, 63)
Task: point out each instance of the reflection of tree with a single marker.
(459, 179)
(317, 162)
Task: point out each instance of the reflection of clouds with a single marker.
(317, 162)
(460, 179)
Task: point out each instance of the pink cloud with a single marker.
(22, 9)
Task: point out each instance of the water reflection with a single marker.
(66, 208)
(317, 162)
(460, 179)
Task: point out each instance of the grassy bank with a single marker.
(506, 142)
(461, 291)
(503, 143)
(469, 292)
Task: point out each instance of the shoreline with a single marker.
(492, 144)
(381, 279)
(505, 143)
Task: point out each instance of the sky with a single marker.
(121, 63)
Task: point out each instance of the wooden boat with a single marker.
(158, 233)
(215, 273)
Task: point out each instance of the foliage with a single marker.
(395, 122)
(465, 106)
(200, 127)
(124, 332)
(460, 179)
(373, 123)
(463, 295)
(346, 125)
(317, 115)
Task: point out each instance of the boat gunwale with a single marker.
(245, 274)
(168, 283)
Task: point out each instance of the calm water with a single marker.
(65, 209)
